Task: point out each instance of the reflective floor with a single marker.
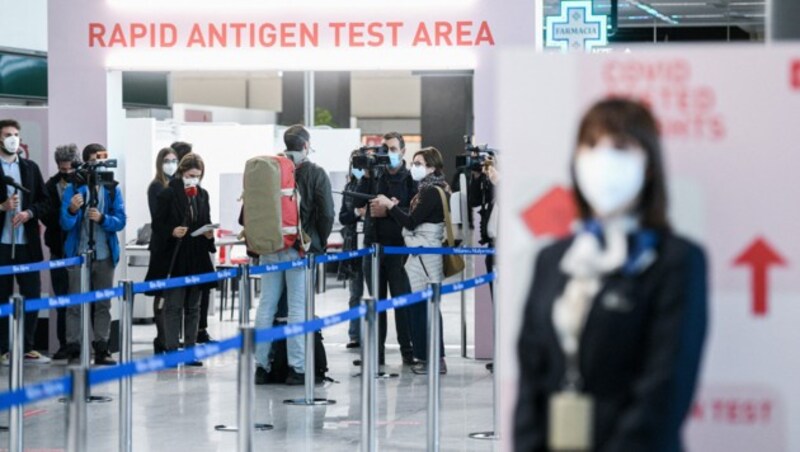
(176, 410)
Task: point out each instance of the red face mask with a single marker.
(191, 192)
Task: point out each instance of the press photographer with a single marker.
(92, 213)
(386, 174)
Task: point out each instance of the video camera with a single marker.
(90, 173)
(371, 157)
(475, 158)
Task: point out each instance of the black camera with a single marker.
(370, 157)
(475, 158)
(93, 173)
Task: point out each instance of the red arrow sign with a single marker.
(759, 256)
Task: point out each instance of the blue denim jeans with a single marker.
(272, 285)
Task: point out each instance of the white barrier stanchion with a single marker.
(308, 399)
(369, 344)
(245, 301)
(86, 323)
(246, 389)
(495, 433)
(466, 240)
(434, 359)
(126, 356)
(17, 341)
(76, 414)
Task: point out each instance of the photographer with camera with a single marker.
(352, 270)
(92, 213)
(24, 203)
(393, 180)
(54, 236)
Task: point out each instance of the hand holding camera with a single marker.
(95, 215)
(75, 203)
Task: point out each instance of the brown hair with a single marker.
(10, 123)
(433, 159)
(192, 161)
(162, 154)
(628, 122)
(397, 136)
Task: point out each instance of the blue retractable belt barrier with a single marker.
(72, 300)
(280, 267)
(35, 392)
(347, 255)
(440, 251)
(184, 281)
(61, 386)
(38, 266)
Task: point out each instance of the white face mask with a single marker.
(169, 168)
(11, 144)
(191, 181)
(418, 172)
(610, 179)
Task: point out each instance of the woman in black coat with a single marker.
(615, 321)
(183, 207)
(166, 167)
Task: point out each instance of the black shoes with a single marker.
(490, 367)
(194, 364)
(158, 347)
(262, 376)
(101, 355)
(421, 367)
(381, 362)
(408, 359)
(204, 338)
(353, 344)
(68, 352)
(298, 379)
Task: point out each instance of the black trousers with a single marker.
(392, 278)
(205, 298)
(30, 287)
(60, 281)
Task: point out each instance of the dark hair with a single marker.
(433, 159)
(192, 161)
(628, 122)
(9, 123)
(162, 154)
(92, 149)
(296, 137)
(181, 148)
(397, 136)
(66, 153)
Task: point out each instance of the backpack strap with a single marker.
(448, 225)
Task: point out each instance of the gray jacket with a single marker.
(424, 269)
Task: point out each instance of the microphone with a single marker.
(10, 181)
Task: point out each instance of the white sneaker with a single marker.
(34, 357)
(5, 360)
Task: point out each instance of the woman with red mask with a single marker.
(183, 207)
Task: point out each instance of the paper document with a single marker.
(203, 229)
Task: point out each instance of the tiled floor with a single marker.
(176, 410)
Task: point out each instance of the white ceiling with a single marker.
(644, 13)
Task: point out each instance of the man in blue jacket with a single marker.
(107, 218)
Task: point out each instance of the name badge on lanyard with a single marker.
(571, 417)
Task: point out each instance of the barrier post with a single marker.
(433, 366)
(464, 309)
(125, 356)
(466, 240)
(495, 433)
(246, 388)
(246, 369)
(17, 341)
(308, 399)
(245, 295)
(76, 414)
(369, 325)
(86, 323)
(375, 262)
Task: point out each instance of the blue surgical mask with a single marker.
(395, 159)
(357, 173)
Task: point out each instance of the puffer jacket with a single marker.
(424, 269)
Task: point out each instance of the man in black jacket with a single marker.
(54, 236)
(20, 242)
(393, 182)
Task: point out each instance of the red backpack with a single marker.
(271, 206)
